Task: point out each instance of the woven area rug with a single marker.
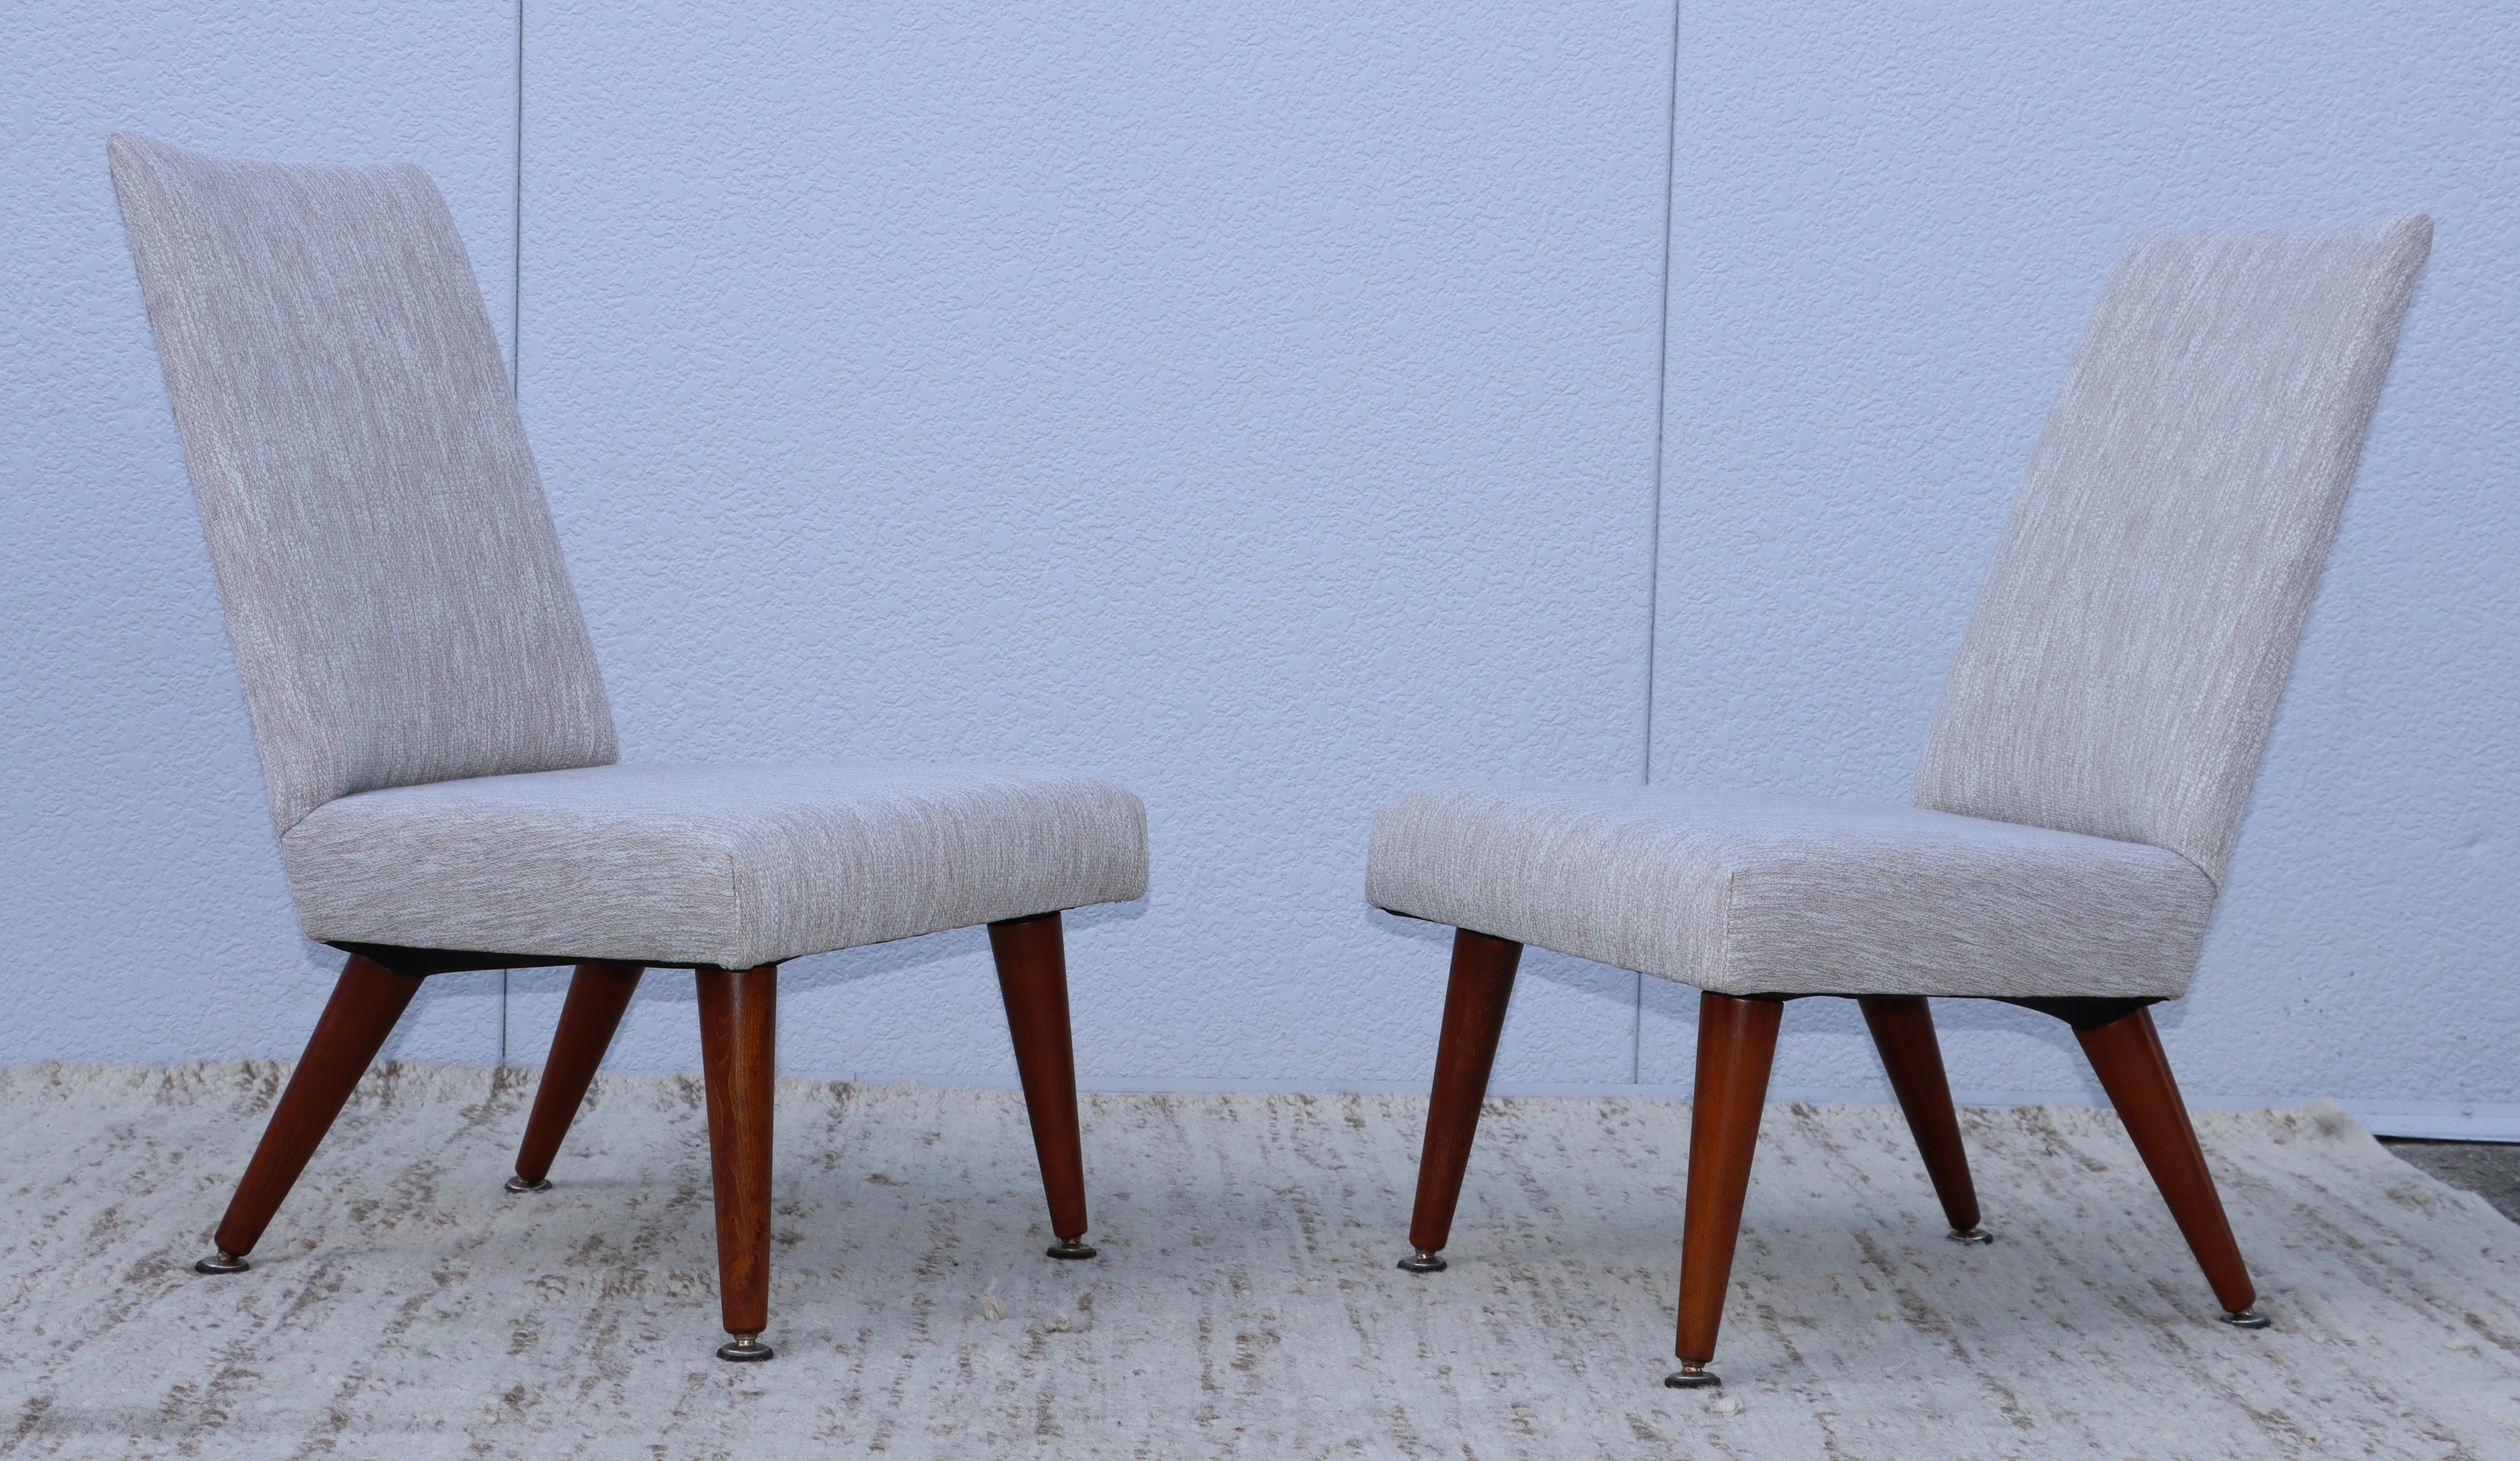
(1246, 1303)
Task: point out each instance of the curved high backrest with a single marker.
(392, 582)
(2135, 628)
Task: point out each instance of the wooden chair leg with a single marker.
(1032, 974)
(365, 1004)
(597, 994)
(2134, 1071)
(1736, 1045)
(1475, 1006)
(738, 1060)
(1903, 1030)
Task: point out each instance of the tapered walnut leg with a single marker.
(1903, 1030)
(738, 1059)
(2134, 1071)
(1032, 974)
(1736, 1045)
(597, 996)
(363, 1009)
(1474, 1007)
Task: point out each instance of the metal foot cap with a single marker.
(1973, 1235)
(744, 1347)
(1425, 1260)
(1690, 1376)
(1072, 1248)
(222, 1261)
(520, 1184)
(2247, 1318)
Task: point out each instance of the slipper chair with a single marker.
(2082, 782)
(434, 734)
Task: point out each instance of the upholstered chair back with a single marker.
(391, 578)
(2135, 628)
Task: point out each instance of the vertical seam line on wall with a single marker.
(516, 223)
(1662, 377)
(516, 334)
(1653, 535)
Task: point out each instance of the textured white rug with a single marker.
(1246, 1304)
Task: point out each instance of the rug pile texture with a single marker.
(1246, 1304)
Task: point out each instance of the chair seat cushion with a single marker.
(1756, 894)
(735, 866)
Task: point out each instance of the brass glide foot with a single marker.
(744, 1347)
(1072, 1248)
(1691, 1375)
(520, 1184)
(2247, 1318)
(222, 1261)
(1424, 1260)
(1973, 1235)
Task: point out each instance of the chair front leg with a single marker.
(738, 1060)
(1903, 1030)
(597, 994)
(1475, 1006)
(1736, 1045)
(365, 1004)
(2127, 1055)
(1032, 974)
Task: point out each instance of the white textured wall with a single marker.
(1253, 404)
(1258, 405)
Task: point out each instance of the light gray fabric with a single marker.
(2137, 624)
(433, 730)
(2088, 765)
(736, 866)
(1754, 894)
(392, 582)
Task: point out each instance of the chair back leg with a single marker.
(1736, 1045)
(1475, 1008)
(2127, 1055)
(738, 1062)
(1032, 974)
(1903, 1030)
(597, 994)
(366, 1002)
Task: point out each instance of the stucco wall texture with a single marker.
(1260, 407)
